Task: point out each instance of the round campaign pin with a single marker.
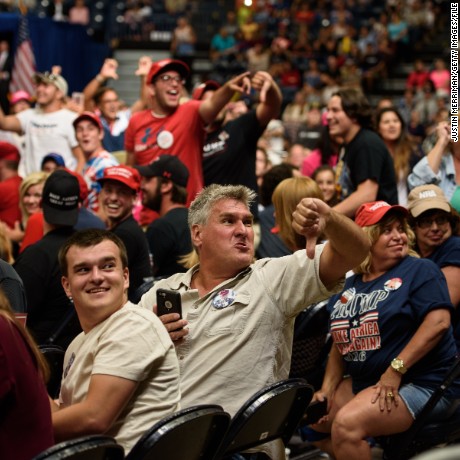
(393, 284)
(347, 295)
(165, 139)
(223, 298)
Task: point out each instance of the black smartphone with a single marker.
(168, 301)
(314, 412)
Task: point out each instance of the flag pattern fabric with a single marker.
(24, 61)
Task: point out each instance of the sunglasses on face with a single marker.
(427, 222)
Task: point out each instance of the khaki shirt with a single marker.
(132, 344)
(240, 333)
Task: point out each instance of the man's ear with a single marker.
(196, 234)
(151, 90)
(66, 286)
(166, 186)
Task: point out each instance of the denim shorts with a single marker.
(415, 397)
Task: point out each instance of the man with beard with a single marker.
(163, 186)
(120, 185)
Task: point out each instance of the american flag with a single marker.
(24, 61)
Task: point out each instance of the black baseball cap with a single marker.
(167, 166)
(60, 198)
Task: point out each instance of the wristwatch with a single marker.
(398, 365)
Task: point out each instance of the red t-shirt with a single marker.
(33, 231)
(9, 201)
(181, 133)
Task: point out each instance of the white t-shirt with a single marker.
(47, 133)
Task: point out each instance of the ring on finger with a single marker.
(390, 395)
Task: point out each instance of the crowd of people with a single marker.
(253, 203)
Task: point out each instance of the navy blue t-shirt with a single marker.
(448, 254)
(371, 322)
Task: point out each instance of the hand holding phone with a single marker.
(168, 301)
(314, 412)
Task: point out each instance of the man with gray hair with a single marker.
(237, 331)
(47, 127)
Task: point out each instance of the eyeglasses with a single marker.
(427, 222)
(167, 78)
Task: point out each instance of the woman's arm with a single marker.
(427, 336)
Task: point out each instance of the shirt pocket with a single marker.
(230, 320)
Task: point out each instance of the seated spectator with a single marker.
(440, 76)
(309, 134)
(240, 314)
(25, 424)
(49, 309)
(326, 153)
(436, 227)
(426, 104)
(30, 195)
(263, 164)
(164, 190)
(86, 219)
(121, 373)
(286, 196)
(294, 114)
(120, 187)
(377, 382)
(271, 245)
(296, 155)
(418, 76)
(51, 162)
(258, 57)
(324, 176)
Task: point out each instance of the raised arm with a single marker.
(270, 97)
(364, 193)
(9, 122)
(108, 70)
(347, 244)
(434, 156)
(211, 107)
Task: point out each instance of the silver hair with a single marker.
(201, 207)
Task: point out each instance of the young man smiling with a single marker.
(170, 127)
(365, 171)
(89, 133)
(121, 373)
(120, 186)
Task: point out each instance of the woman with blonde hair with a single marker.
(25, 423)
(286, 197)
(392, 341)
(30, 195)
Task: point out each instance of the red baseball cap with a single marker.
(9, 152)
(88, 116)
(373, 212)
(203, 87)
(168, 64)
(124, 174)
